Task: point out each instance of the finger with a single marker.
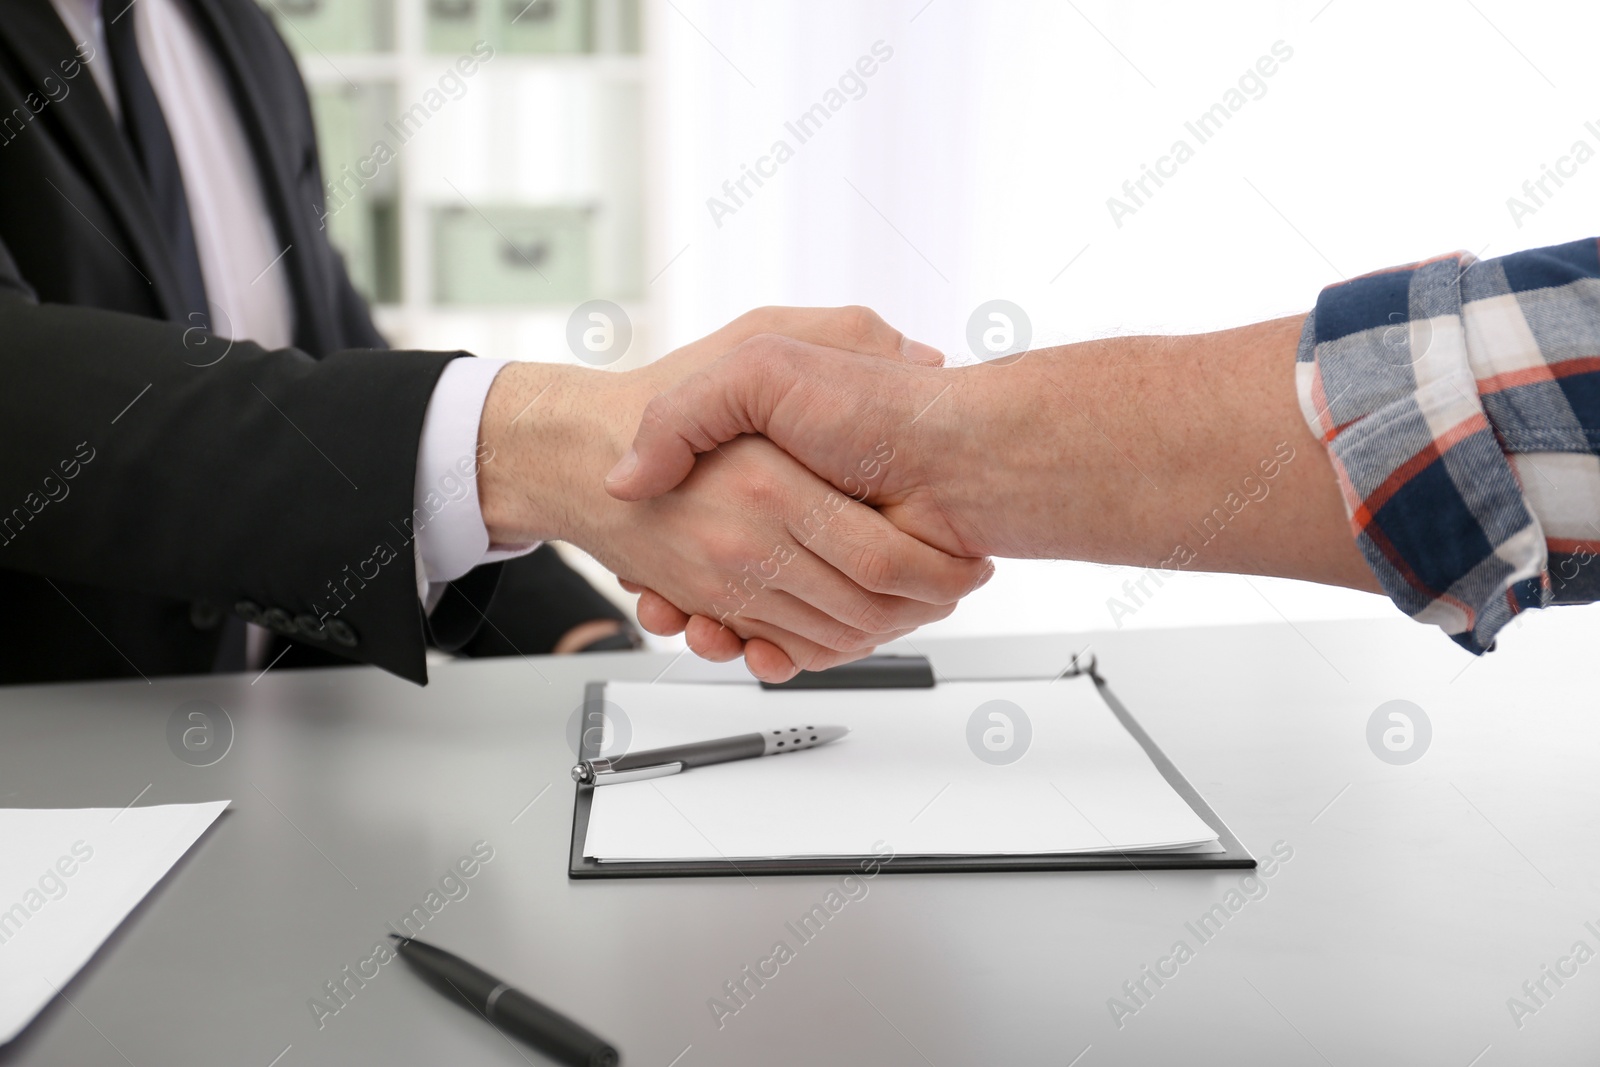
(768, 662)
(714, 641)
(736, 396)
(829, 607)
(711, 640)
(796, 615)
(870, 551)
(632, 587)
(659, 616)
(802, 652)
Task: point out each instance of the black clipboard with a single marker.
(1234, 855)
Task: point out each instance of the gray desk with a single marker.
(1419, 898)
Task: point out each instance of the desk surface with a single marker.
(1418, 899)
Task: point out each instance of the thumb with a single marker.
(733, 396)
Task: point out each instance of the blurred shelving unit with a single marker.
(483, 163)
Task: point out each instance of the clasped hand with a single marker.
(750, 551)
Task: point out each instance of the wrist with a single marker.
(1023, 464)
(548, 435)
(988, 461)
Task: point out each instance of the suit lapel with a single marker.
(39, 43)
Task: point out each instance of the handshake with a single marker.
(800, 554)
(806, 484)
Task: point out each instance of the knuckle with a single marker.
(706, 633)
(847, 638)
(725, 550)
(815, 657)
(763, 348)
(766, 485)
(875, 568)
(764, 492)
(767, 360)
(871, 616)
(654, 419)
(861, 323)
(722, 626)
(734, 624)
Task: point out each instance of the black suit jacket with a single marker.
(147, 486)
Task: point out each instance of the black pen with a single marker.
(548, 1031)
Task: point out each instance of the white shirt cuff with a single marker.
(446, 518)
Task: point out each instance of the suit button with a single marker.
(277, 620)
(204, 615)
(341, 633)
(249, 611)
(309, 626)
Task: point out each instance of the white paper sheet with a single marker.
(68, 877)
(906, 777)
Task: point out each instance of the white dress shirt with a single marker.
(246, 284)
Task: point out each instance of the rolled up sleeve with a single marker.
(1459, 400)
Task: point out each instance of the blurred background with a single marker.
(937, 155)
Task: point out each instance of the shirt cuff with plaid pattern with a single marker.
(1459, 400)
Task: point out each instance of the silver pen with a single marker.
(659, 762)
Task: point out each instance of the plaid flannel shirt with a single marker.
(1460, 403)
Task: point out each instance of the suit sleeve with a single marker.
(147, 456)
(456, 619)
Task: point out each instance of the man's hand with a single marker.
(878, 430)
(754, 540)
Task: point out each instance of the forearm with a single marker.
(1454, 414)
(1176, 452)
